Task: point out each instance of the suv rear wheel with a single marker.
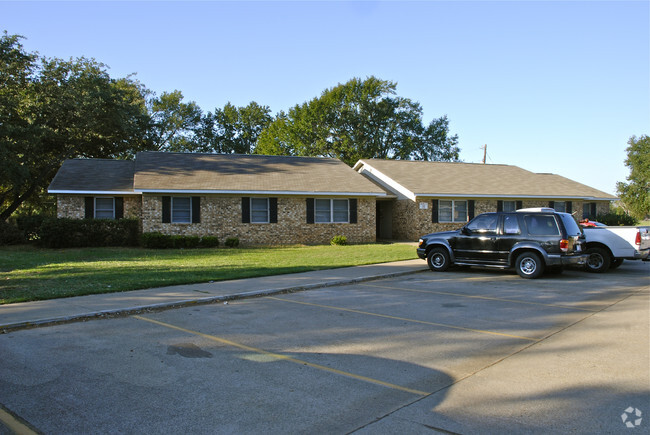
(438, 259)
(529, 265)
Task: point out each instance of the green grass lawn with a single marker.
(29, 274)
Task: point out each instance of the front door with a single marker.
(477, 242)
(384, 220)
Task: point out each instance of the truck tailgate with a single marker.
(644, 238)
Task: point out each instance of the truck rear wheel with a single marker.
(598, 261)
(617, 262)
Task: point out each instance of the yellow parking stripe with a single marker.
(285, 357)
(442, 325)
(476, 278)
(14, 424)
(487, 298)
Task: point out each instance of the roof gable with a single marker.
(421, 178)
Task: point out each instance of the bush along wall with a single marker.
(616, 219)
(31, 225)
(165, 241)
(77, 233)
(10, 234)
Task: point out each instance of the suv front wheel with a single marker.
(438, 259)
(529, 265)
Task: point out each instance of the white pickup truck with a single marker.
(609, 246)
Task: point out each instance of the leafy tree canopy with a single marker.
(52, 110)
(173, 122)
(359, 119)
(232, 129)
(635, 194)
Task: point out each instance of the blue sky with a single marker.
(553, 86)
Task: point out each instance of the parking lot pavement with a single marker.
(53, 311)
(468, 351)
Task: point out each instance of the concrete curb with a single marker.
(91, 315)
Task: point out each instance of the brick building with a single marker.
(280, 200)
(262, 200)
(439, 196)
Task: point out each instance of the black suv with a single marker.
(530, 240)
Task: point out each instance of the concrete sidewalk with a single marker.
(40, 313)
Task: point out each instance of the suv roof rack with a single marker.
(537, 209)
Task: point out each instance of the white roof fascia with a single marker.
(94, 192)
(259, 192)
(465, 195)
(381, 178)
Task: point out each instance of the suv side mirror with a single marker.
(465, 231)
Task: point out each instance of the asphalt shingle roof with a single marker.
(466, 179)
(94, 175)
(218, 173)
(156, 171)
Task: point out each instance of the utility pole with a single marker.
(484, 152)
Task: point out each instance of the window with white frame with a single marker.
(331, 211)
(509, 205)
(181, 209)
(260, 210)
(452, 211)
(104, 208)
(589, 210)
(560, 206)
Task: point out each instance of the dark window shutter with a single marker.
(499, 205)
(245, 210)
(119, 207)
(569, 207)
(551, 204)
(593, 210)
(166, 209)
(196, 209)
(519, 204)
(470, 209)
(310, 210)
(273, 210)
(90, 207)
(434, 211)
(353, 210)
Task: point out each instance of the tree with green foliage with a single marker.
(52, 110)
(173, 122)
(635, 194)
(232, 129)
(359, 119)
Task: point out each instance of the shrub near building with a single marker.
(158, 240)
(78, 233)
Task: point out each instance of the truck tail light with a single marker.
(564, 245)
(637, 240)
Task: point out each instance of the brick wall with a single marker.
(73, 206)
(411, 221)
(221, 216)
(133, 207)
(70, 206)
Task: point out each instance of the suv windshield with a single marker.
(572, 227)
